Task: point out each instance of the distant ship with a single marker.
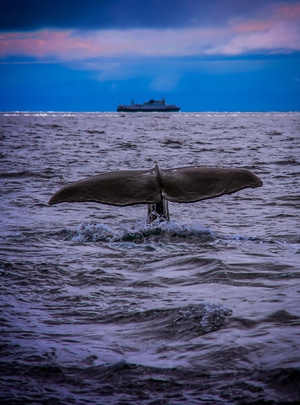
(149, 106)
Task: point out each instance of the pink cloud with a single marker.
(276, 30)
(279, 38)
(39, 44)
(253, 26)
(279, 31)
(70, 45)
(289, 11)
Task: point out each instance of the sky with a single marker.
(203, 55)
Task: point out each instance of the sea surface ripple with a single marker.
(99, 307)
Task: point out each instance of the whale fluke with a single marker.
(123, 187)
(191, 184)
(156, 187)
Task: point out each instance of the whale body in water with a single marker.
(156, 187)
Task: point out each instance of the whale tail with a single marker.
(156, 187)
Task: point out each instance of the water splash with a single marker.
(142, 232)
(173, 323)
(93, 233)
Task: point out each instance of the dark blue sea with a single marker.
(99, 307)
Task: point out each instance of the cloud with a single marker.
(280, 38)
(74, 45)
(70, 45)
(277, 32)
(274, 29)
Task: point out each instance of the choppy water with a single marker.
(97, 307)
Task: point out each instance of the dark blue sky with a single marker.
(202, 55)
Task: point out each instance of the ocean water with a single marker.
(99, 307)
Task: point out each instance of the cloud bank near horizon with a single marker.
(277, 32)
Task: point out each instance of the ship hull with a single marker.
(149, 106)
(132, 109)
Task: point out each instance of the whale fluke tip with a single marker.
(191, 184)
